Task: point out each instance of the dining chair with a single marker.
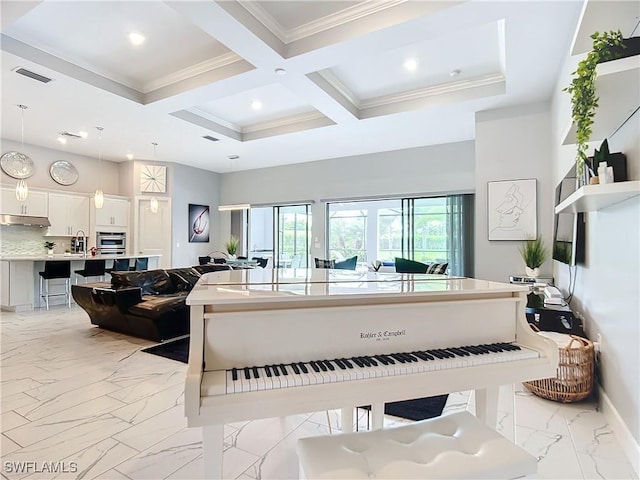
(119, 265)
(141, 263)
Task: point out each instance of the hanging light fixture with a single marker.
(98, 198)
(22, 190)
(153, 203)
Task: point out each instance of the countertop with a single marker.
(72, 256)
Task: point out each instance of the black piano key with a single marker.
(365, 361)
(410, 357)
(346, 362)
(275, 370)
(436, 354)
(422, 356)
(372, 361)
(428, 355)
(460, 352)
(329, 365)
(283, 370)
(382, 360)
(399, 357)
(247, 375)
(322, 366)
(315, 367)
(338, 362)
(303, 367)
(389, 359)
(357, 362)
(255, 372)
(234, 374)
(295, 368)
(268, 370)
(471, 350)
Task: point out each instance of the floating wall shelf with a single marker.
(618, 87)
(596, 197)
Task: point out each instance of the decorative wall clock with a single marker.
(63, 172)
(153, 178)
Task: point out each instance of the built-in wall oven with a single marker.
(111, 243)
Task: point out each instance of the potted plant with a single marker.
(534, 254)
(606, 46)
(232, 246)
(49, 246)
(618, 161)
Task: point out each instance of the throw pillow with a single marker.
(438, 268)
(404, 265)
(321, 263)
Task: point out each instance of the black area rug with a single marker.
(417, 408)
(173, 349)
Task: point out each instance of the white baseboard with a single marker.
(630, 447)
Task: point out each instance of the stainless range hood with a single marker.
(24, 220)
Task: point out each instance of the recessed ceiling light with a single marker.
(256, 104)
(454, 73)
(411, 64)
(280, 71)
(129, 156)
(233, 157)
(136, 38)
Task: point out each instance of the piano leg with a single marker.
(377, 416)
(346, 419)
(487, 405)
(212, 450)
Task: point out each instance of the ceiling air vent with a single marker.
(209, 137)
(70, 134)
(34, 75)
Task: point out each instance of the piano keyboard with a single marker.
(269, 377)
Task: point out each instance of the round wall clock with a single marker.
(16, 165)
(63, 172)
(153, 178)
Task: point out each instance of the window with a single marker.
(427, 229)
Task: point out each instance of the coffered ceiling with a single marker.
(274, 82)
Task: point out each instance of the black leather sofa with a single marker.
(148, 304)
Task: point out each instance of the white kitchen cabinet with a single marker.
(16, 291)
(35, 204)
(114, 213)
(68, 214)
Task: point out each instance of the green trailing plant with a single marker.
(49, 245)
(584, 100)
(232, 245)
(534, 252)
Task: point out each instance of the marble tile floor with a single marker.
(89, 402)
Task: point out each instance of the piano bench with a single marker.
(452, 446)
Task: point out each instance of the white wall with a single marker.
(512, 144)
(447, 168)
(607, 287)
(201, 187)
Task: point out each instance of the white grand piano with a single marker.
(267, 343)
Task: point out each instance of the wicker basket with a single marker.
(575, 373)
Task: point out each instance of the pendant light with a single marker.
(22, 191)
(98, 198)
(153, 203)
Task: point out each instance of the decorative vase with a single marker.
(50, 251)
(532, 272)
(232, 257)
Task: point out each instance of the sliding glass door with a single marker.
(292, 235)
(280, 233)
(427, 229)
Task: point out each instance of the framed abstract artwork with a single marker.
(198, 223)
(511, 210)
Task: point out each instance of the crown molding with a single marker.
(328, 22)
(283, 122)
(192, 70)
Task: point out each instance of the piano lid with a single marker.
(294, 285)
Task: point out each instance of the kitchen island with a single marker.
(20, 279)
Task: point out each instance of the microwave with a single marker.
(111, 243)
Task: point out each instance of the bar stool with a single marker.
(119, 265)
(54, 269)
(92, 268)
(141, 264)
